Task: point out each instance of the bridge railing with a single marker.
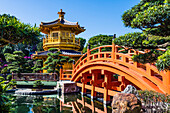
(65, 74)
(102, 52)
(148, 71)
(123, 57)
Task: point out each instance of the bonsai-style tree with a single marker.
(38, 84)
(17, 62)
(13, 31)
(55, 61)
(152, 17)
(99, 40)
(38, 66)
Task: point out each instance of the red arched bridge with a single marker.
(109, 69)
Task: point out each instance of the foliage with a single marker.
(38, 83)
(5, 100)
(40, 46)
(9, 77)
(13, 31)
(151, 16)
(55, 61)
(38, 66)
(163, 62)
(7, 49)
(82, 43)
(98, 40)
(155, 100)
(17, 62)
(139, 41)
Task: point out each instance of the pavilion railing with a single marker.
(61, 40)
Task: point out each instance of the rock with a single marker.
(126, 103)
(69, 88)
(130, 90)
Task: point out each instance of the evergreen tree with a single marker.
(99, 40)
(13, 31)
(38, 66)
(55, 61)
(17, 63)
(152, 17)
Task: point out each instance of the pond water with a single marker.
(70, 103)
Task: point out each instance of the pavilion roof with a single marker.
(63, 52)
(61, 22)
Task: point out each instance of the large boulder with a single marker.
(126, 103)
(130, 90)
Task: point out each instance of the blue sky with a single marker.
(97, 16)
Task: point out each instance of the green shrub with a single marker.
(38, 83)
(9, 77)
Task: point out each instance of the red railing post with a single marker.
(166, 81)
(88, 52)
(113, 47)
(136, 63)
(99, 52)
(148, 69)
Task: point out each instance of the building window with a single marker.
(55, 35)
(63, 34)
(67, 34)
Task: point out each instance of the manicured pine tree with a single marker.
(152, 17)
(17, 63)
(38, 66)
(55, 61)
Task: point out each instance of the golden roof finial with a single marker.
(61, 14)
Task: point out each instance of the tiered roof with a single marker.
(61, 22)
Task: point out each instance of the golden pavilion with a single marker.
(60, 34)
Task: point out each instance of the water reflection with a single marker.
(72, 103)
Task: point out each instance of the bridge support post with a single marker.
(83, 91)
(93, 106)
(122, 80)
(92, 82)
(83, 102)
(106, 99)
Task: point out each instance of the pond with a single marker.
(70, 103)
